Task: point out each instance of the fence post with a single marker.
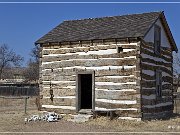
(25, 105)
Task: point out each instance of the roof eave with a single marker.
(124, 38)
(168, 31)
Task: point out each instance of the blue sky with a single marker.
(22, 24)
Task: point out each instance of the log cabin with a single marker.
(120, 63)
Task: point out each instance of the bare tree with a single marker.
(35, 53)
(8, 58)
(176, 63)
(32, 70)
(176, 70)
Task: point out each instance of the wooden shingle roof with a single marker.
(125, 26)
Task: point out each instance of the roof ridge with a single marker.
(113, 16)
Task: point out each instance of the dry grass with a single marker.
(138, 126)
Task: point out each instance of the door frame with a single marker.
(78, 90)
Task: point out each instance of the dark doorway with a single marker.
(85, 91)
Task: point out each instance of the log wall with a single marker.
(116, 75)
(153, 106)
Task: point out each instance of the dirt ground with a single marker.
(12, 122)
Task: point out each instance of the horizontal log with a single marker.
(157, 109)
(116, 95)
(44, 92)
(147, 77)
(116, 80)
(62, 57)
(102, 72)
(61, 73)
(59, 83)
(46, 78)
(64, 92)
(167, 92)
(115, 106)
(113, 72)
(59, 110)
(159, 115)
(116, 87)
(152, 54)
(164, 50)
(83, 48)
(73, 49)
(106, 62)
(161, 63)
(103, 47)
(153, 85)
(151, 91)
(147, 46)
(126, 46)
(167, 79)
(128, 113)
(59, 101)
(148, 83)
(91, 63)
(167, 86)
(154, 67)
(57, 77)
(90, 56)
(58, 91)
(117, 55)
(156, 101)
(65, 50)
(148, 92)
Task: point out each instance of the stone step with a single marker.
(86, 111)
(80, 118)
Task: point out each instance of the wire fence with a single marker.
(19, 97)
(18, 104)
